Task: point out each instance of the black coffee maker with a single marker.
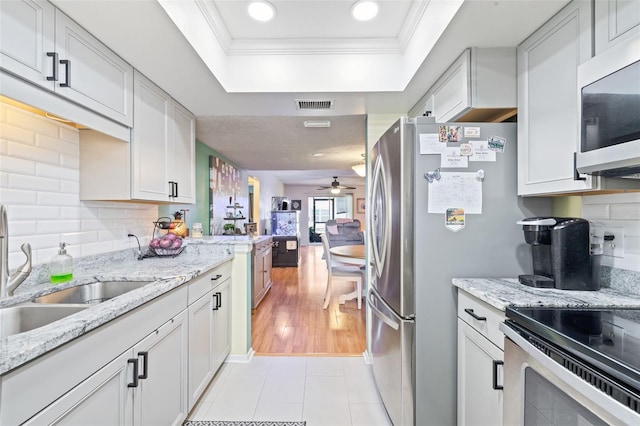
(566, 252)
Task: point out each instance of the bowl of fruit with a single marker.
(169, 244)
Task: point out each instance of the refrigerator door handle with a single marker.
(385, 319)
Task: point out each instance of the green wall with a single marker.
(570, 206)
(198, 212)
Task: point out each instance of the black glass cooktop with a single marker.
(609, 339)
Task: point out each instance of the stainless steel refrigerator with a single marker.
(415, 254)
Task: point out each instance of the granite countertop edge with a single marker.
(18, 349)
(503, 292)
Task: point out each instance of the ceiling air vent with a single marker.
(314, 104)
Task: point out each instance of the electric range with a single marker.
(584, 341)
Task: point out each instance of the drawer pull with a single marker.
(145, 364)
(216, 305)
(217, 277)
(474, 315)
(133, 361)
(495, 374)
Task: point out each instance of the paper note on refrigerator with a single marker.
(430, 144)
(451, 158)
(461, 190)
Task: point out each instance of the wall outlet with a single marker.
(614, 247)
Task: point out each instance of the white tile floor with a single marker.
(324, 391)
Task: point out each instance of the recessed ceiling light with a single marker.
(317, 154)
(261, 10)
(364, 10)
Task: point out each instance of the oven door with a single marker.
(538, 390)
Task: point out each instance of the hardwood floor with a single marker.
(290, 319)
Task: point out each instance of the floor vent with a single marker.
(314, 104)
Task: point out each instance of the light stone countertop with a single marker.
(229, 239)
(166, 273)
(503, 292)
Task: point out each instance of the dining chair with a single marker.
(340, 271)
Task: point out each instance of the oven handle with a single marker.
(591, 393)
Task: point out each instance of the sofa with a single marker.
(342, 232)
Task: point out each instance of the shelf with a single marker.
(234, 218)
(235, 207)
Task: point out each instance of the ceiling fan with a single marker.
(335, 186)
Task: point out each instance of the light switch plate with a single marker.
(615, 247)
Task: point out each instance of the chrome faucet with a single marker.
(9, 283)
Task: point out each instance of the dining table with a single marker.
(352, 255)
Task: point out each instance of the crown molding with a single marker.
(314, 46)
(215, 22)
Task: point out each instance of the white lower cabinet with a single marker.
(143, 386)
(480, 361)
(200, 346)
(479, 378)
(104, 398)
(160, 397)
(209, 335)
(221, 324)
(146, 367)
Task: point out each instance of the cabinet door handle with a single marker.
(133, 361)
(54, 70)
(217, 277)
(219, 300)
(216, 304)
(474, 315)
(173, 189)
(495, 374)
(67, 72)
(145, 364)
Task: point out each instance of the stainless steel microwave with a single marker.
(609, 106)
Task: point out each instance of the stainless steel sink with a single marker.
(21, 318)
(91, 293)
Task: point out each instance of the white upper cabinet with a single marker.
(163, 146)
(92, 75)
(27, 32)
(150, 142)
(159, 163)
(615, 20)
(44, 46)
(182, 153)
(480, 85)
(547, 102)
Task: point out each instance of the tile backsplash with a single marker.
(620, 214)
(39, 185)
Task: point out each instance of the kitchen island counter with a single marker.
(503, 292)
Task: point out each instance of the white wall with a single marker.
(303, 192)
(39, 185)
(618, 212)
(377, 124)
(269, 187)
